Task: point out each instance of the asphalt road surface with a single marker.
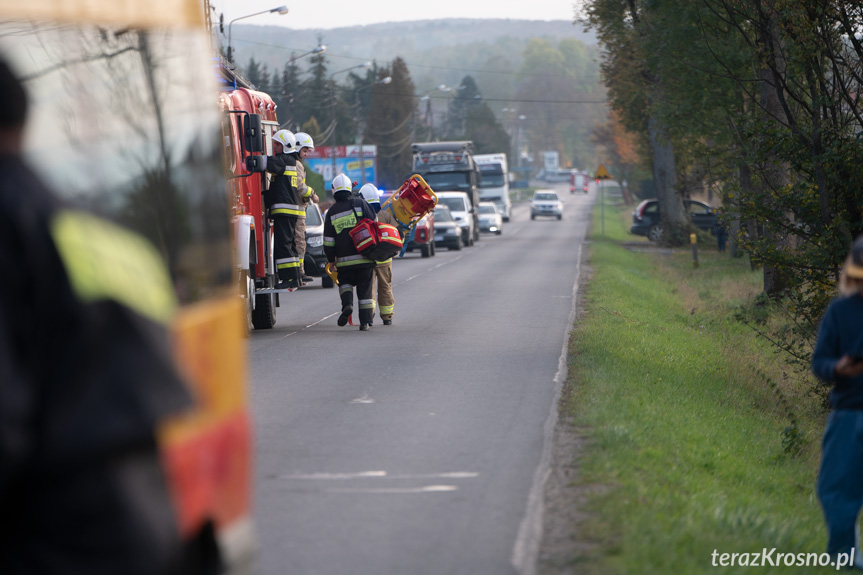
(418, 448)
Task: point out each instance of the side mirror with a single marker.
(256, 164)
(252, 130)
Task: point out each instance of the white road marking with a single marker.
(525, 550)
(357, 475)
(364, 399)
(381, 475)
(323, 319)
(446, 263)
(426, 489)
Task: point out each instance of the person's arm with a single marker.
(275, 164)
(329, 238)
(826, 354)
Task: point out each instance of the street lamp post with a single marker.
(365, 66)
(361, 130)
(319, 50)
(282, 10)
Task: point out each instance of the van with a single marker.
(461, 209)
(494, 185)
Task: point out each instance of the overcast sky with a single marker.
(339, 13)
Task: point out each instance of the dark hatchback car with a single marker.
(448, 232)
(647, 220)
(315, 261)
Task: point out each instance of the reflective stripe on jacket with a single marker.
(339, 221)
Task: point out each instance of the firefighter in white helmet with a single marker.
(354, 270)
(383, 290)
(307, 195)
(283, 204)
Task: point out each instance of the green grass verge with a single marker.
(683, 452)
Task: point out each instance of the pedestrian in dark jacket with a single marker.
(283, 203)
(838, 361)
(86, 373)
(354, 270)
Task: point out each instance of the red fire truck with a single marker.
(248, 124)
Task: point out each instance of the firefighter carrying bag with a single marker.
(375, 240)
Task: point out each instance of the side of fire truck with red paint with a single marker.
(248, 124)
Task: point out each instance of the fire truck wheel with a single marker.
(425, 250)
(264, 316)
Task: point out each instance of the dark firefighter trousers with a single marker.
(363, 279)
(285, 250)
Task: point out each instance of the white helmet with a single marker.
(304, 141)
(287, 140)
(342, 183)
(370, 194)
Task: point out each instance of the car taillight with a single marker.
(422, 233)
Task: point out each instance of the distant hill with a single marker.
(436, 51)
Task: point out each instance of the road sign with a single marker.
(602, 173)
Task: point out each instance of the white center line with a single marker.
(380, 475)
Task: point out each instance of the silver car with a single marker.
(546, 203)
(490, 219)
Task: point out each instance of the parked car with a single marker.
(423, 236)
(315, 261)
(490, 219)
(647, 219)
(460, 206)
(546, 203)
(448, 232)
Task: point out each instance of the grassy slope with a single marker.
(684, 440)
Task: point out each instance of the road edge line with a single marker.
(525, 550)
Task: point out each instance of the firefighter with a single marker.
(307, 196)
(383, 290)
(353, 268)
(83, 381)
(283, 202)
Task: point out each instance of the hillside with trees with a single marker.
(522, 87)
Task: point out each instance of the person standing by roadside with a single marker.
(383, 290)
(306, 195)
(838, 360)
(353, 268)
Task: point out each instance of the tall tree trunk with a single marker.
(775, 173)
(665, 177)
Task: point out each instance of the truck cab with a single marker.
(450, 167)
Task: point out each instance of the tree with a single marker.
(389, 123)
(287, 94)
(253, 72)
(637, 82)
(466, 99)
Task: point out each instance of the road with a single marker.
(418, 448)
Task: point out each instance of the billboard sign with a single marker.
(360, 165)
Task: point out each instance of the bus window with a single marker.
(138, 145)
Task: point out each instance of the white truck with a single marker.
(494, 185)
